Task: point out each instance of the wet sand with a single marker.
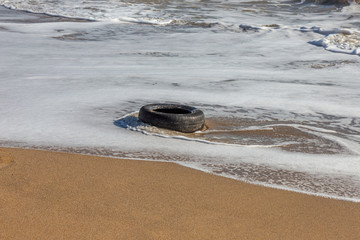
(274, 133)
(47, 195)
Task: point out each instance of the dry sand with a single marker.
(46, 195)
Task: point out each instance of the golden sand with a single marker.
(46, 195)
(5, 159)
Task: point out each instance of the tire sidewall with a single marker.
(187, 122)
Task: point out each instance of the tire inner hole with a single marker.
(173, 110)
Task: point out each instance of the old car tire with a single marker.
(175, 117)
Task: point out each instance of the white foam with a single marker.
(200, 167)
(341, 43)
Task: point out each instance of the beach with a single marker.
(51, 195)
(278, 83)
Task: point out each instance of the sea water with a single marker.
(278, 81)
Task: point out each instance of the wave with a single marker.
(338, 40)
(331, 2)
(191, 13)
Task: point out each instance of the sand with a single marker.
(47, 195)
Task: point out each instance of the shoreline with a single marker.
(51, 194)
(88, 153)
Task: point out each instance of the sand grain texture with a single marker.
(5, 159)
(46, 195)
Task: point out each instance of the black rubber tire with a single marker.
(175, 117)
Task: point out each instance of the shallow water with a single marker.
(277, 81)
